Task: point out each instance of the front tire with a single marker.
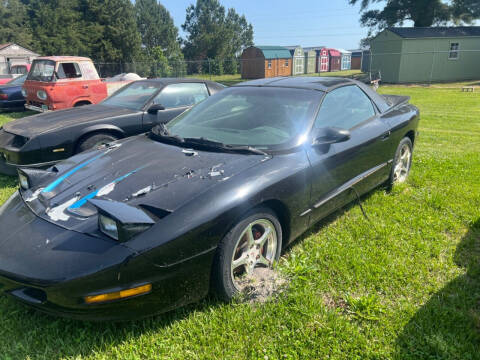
(95, 140)
(402, 162)
(255, 241)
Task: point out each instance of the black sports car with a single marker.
(152, 222)
(44, 139)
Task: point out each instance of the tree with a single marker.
(58, 27)
(155, 25)
(215, 34)
(112, 29)
(423, 13)
(14, 25)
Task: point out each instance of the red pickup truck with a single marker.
(61, 82)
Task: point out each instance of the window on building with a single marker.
(269, 64)
(286, 63)
(453, 54)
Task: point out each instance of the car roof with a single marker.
(177, 80)
(305, 82)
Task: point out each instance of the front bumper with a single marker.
(12, 104)
(53, 269)
(42, 108)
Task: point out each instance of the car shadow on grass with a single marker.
(448, 325)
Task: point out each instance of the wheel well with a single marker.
(112, 132)
(411, 136)
(83, 102)
(281, 210)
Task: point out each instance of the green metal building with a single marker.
(416, 55)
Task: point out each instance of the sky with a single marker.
(331, 23)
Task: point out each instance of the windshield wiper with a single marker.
(162, 132)
(222, 146)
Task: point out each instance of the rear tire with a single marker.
(402, 163)
(94, 140)
(255, 241)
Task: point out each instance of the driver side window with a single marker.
(345, 108)
(183, 94)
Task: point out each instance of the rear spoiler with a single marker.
(395, 100)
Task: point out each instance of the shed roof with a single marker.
(3, 46)
(275, 52)
(436, 32)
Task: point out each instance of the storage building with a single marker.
(13, 54)
(410, 55)
(346, 62)
(298, 60)
(335, 60)
(259, 62)
(310, 61)
(356, 59)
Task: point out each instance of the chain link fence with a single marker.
(425, 66)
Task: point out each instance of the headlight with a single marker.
(23, 180)
(24, 93)
(108, 226)
(121, 221)
(42, 95)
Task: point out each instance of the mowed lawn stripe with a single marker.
(404, 283)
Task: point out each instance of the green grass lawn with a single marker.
(404, 285)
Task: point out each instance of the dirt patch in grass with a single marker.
(262, 285)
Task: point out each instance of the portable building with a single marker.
(13, 54)
(410, 55)
(346, 61)
(323, 60)
(298, 60)
(366, 60)
(335, 60)
(259, 62)
(310, 61)
(356, 59)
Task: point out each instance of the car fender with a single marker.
(99, 128)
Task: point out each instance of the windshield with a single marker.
(133, 96)
(18, 81)
(261, 117)
(42, 70)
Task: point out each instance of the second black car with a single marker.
(44, 139)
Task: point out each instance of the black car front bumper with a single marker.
(54, 269)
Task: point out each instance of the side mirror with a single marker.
(330, 135)
(155, 108)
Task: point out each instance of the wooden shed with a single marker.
(298, 60)
(346, 62)
(259, 62)
(323, 60)
(312, 58)
(335, 60)
(356, 59)
(310, 61)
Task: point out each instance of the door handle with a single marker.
(386, 135)
(85, 86)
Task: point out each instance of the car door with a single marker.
(359, 162)
(175, 98)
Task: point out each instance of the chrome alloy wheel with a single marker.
(402, 166)
(256, 247)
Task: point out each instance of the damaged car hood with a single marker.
(37, 124)
(137, 171)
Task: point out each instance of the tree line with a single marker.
(119, 31)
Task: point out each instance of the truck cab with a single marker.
(61, 82)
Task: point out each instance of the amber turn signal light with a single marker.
(139, 290)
